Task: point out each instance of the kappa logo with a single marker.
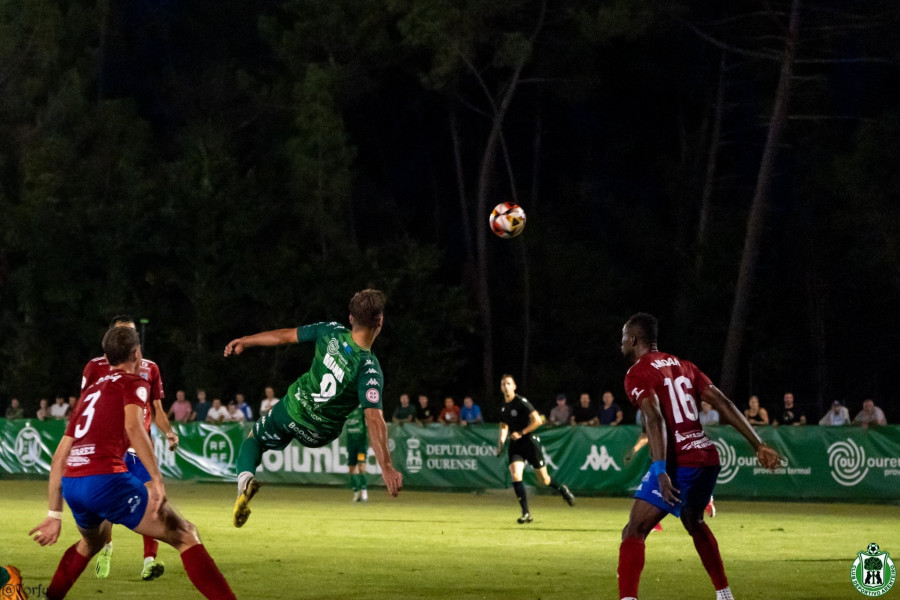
(873, 572)
(369, 361)
(371, 371)
(372, 381)
(599, 460)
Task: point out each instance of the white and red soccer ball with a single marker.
(507, 220)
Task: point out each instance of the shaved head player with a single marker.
(685, 462)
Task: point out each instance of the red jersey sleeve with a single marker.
(639, 383)
(137, 392)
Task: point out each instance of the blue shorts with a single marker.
(136, 467)
(695, 484)
(117, 497)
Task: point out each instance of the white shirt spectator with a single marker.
(217, 413)
(838, 415)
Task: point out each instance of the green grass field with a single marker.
(314, 543)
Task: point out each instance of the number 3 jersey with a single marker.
(98, 424)
(677, 383)
(342, 377)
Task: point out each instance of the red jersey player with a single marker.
(89, 471)
(685, 462)
(154, 411)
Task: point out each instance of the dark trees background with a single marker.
(224, 168)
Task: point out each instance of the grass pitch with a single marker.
(314, 543)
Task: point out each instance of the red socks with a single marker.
(708, 549)
(631, 563)
(70, 568)
(150, 547)
(205, 575)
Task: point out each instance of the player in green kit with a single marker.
(344, 374)
(357, 449)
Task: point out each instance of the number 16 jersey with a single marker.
(677, 383)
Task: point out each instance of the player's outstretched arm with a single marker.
(275, 337)
(47, 532)
(378, 439)
(730, 415)
(654, 421)
(140, 441)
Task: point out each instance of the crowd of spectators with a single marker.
(607, 413)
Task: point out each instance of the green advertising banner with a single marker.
(823, 462)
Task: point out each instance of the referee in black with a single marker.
(519, 420)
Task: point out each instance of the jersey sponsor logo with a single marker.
(372, 381)
(82, 450)
(373, 396)
(347, 349)
(665, 362)
(599, 460)
(873, 572)
(334, 367)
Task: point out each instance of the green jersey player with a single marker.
(344, 374)
(357, 449)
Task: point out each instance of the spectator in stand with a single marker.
(181, 410)
(708, 415)
(60, 408)
(14, 410)
(837, 416)
(235, 414)
(405, 413)
(584, 413)
(450, 413)
(789, 415)
(610, 412)
(268, 402)
(73, 400)
(869, 415)
(562, 412)
(755, 413)
(470, 413)
(424, 414)
(43, 411)
(201, 408)
(242, 405)
(217, 413)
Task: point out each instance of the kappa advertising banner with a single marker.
(823, 462)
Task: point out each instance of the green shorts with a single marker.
(357, 449)
(275, 430)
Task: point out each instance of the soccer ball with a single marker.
(873, 548)
(507, 220)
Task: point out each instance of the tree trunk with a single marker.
(759, 211)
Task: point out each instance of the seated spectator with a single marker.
(181, 410)
(268, 402)
(789, 415)
(406, 412)
(708, 415)
(755, 413)
(869, 415)
(235, 414)
(450, 413)
(424, 414)
(14, 410)
(838, 415)
(201, 407)
(470, 413)
(242, 405)
(217, 413)
(562, 412)
(73, 400)
(610, 412)
(584, 413)
(60, 408)
(43, 411)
